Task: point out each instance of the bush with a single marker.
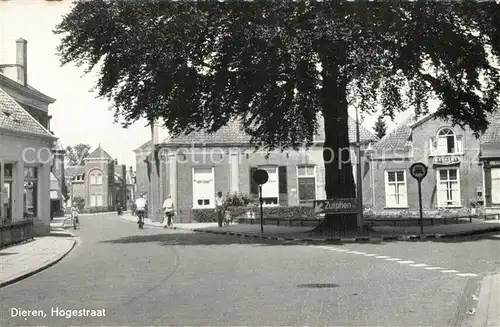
(209, 215)
(97, 209)
(238, 200)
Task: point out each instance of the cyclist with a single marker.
(74, 215)
(140, 209)
(168, 210)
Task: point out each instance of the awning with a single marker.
(490, 150)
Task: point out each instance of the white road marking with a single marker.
(406, 261)
(420, 265)
(393, 259)
(370, 255)
(467, 275)
(449, 271)
(434, 268)
(382, 257)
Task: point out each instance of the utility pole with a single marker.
(358, 176)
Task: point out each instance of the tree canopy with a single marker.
(75, 154)
(380, 127)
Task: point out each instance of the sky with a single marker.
(77, 115)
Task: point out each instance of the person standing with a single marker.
(219, 208)
(168, 210)
(140, 209)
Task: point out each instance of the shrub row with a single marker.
(209, 215)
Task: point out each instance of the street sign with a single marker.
(260, 176)
(335, 206)
(418, 170)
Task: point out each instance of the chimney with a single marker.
(22, 60)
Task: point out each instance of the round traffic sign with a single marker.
(260, 176)
(418, 170)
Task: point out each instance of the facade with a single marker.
(194, 167)
(100, 181)
(463, 171)
(25, 148)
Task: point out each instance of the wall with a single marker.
(36, 152)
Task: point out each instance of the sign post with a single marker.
(261, 177)
(418, 170)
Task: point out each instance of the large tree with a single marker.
(276, 64)
(76, 153)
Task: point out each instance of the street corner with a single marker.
(24, 260)
(487, 311)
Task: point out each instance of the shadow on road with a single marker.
(472, 238)
(188, 238)
(318, 285)
(7, 253)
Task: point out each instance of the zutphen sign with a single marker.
(335, 206)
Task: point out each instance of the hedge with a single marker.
(209, 215)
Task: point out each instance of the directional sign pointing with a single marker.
(335, 206)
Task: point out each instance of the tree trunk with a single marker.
(336, 151)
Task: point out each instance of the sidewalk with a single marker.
(20, 261)
(488, 306)
(402, 233)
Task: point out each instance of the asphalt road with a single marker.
(160, 277)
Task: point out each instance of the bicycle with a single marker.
(76, 222)
(170, 219)
(140, 222)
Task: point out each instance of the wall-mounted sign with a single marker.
(335, 206)
(494, 162)
(446, 160)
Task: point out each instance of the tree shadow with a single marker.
(470, 238)
(200, 238)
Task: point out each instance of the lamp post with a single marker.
(358, 176)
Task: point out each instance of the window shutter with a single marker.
(254, 187)
(282, 180)
(388, 202)
(459, 144)
(431, 146)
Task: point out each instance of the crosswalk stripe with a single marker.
(434, 268)
(406, 261)
(420, 265)
(467, 275)
(449, 271)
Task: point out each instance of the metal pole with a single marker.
(420, 205)
(261, 210)
(358, 176)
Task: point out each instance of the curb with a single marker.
(360, 239)
(31, 273)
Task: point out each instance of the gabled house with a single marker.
(26, 145)
(100, 182)
(194, 167)
(462, 170)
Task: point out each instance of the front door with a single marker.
(7, 200)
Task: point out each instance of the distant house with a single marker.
(462, 171)
(101, 181)
(26, 145)
(198, 165)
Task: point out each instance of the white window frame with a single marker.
(387, 184)
(277, 189)
(438, 183)
(97, 198)
(492, 192)
(211, 205)
(98, 179)
(306, 176)
(93, 196)
(458, 141)
(92, 178)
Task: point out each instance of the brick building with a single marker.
(194, 167)
(457, 177)
(101, 181)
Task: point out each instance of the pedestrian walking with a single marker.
(219, 208)
(168, 211)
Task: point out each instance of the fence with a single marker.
(16, 232)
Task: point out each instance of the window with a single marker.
(92, 179)
(98, 179)
(448, 142)
(495, 185)
(306, 176)
(448, 187)
(99, 200)
(92, 200)
(270, 190)
(203, 188)
(30, 191)
(395, 189)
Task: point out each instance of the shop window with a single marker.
(30, 192)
